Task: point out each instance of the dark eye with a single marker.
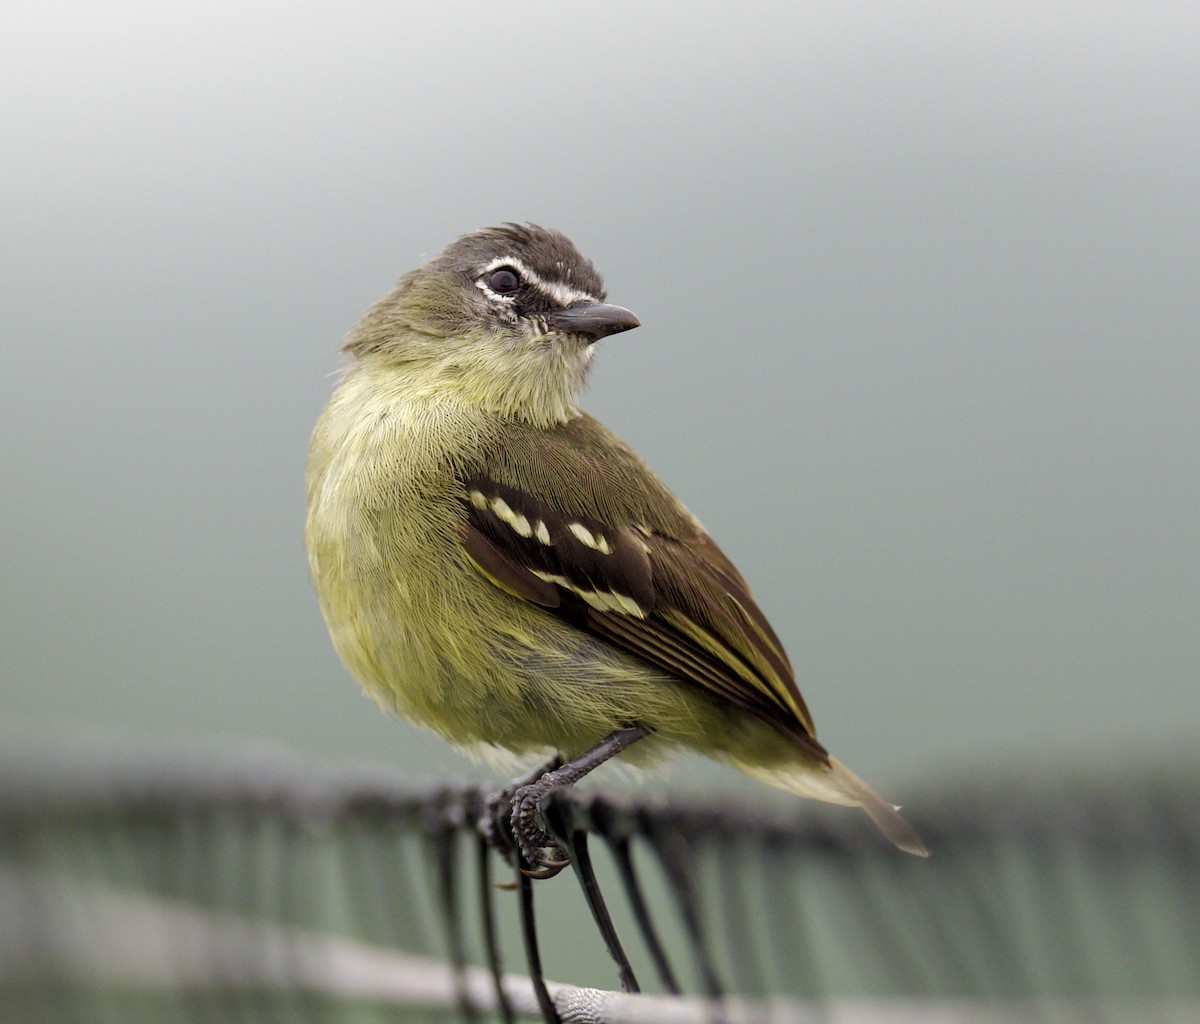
(503, 281)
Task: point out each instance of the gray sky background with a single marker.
(920, 285)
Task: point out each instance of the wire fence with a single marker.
(166, 890)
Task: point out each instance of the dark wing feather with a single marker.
(508, 575)
(650, 581)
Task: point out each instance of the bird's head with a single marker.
(504, 317)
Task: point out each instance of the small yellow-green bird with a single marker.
(497, 565)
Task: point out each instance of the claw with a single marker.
(541, 860)
(547, 870)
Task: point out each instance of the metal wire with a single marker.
(173, 890)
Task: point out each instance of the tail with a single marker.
(836, 784)
(885, 816)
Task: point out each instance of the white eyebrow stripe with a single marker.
(563, 294)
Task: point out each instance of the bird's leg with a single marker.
(531, 837)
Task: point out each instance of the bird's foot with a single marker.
(510, 823)
(542, 853)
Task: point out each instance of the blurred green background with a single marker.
(919, 287)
